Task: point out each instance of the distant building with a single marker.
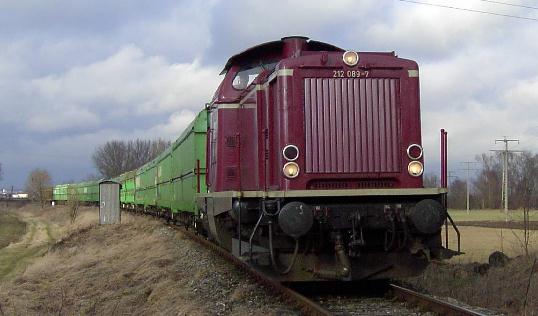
(8, 195)
(19, 195)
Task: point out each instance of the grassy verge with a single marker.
(502, 288)
(15, 259)
(490, 215)
(25, 234)
(11, 229)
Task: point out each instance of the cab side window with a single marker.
(246, 75)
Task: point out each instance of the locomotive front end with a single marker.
(352, 165)
(339, 192)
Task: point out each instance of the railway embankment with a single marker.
(479, 279)
(138, 267)
(510, 287)
(54, 266)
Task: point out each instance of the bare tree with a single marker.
(158, 146)
(523, 180)
(109, 159)
(73, 201)
(115, 157)
(39, 186)
(431, 181)
(457, 194)
(89, 177)
(526, 172)
(488, 182)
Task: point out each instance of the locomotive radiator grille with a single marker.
(352, 125)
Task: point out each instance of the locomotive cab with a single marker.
(314, 153)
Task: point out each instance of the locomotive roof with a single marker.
(275, 47)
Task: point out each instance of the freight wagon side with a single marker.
(170, 182)
(127, 190)
(87, 192)
(59, 193)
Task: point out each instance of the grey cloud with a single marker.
(437, 33)
(237, 25)
(125, 69)
(125, 84)
(128, 94)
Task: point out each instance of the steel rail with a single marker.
(430, 303)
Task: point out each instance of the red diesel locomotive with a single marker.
(314, 164)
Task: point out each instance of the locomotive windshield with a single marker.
(246, 75)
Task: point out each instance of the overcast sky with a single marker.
(75, 74)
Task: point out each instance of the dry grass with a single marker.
(479, 242)
(42, 228)
(470, 279)
(11, 229)
(500, 288)
(96, 269)
(490, 215)
(140, 267)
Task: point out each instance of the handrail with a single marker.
(457, 232)
(197, 175)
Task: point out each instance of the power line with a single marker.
(471, 10)
(511, 4)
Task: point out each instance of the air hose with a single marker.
(271, 251)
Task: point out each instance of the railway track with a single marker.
(432, 304)
(306, 305)
(400, 301)
(386, 299)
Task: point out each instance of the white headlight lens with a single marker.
(290, 152)
(291, 170)
(350, 58)
(415, 168)
(414, 151)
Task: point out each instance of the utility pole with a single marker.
(468, 168)
(505, 152)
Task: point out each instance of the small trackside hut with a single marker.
(109, 202)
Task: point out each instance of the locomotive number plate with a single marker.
(350, 74)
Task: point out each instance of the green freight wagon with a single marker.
(59, 192)
(145, 185)
(127, 191)
(87, 192)
(172, 180)
(188, 166)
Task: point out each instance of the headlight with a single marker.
(414, 151)
(290, 152)
(415, 168)
(291, 170)
(350, 58)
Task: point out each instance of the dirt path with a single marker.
(42, 231)
(11, 229)
(34, 243)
